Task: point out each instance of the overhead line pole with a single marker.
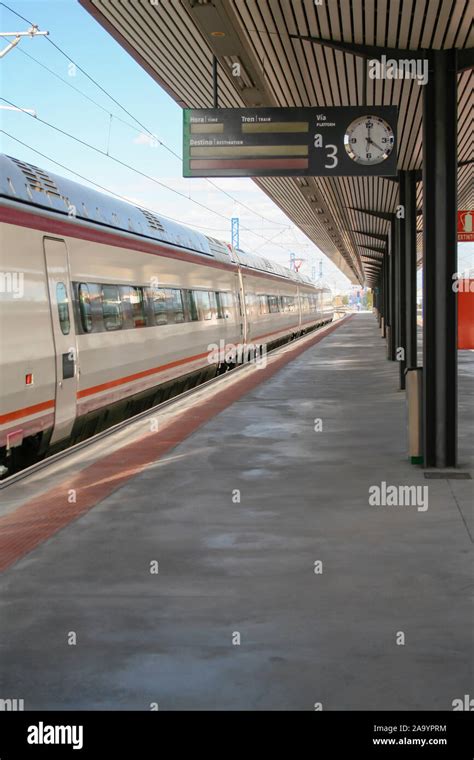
(33, 31)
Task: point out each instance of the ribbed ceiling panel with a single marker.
(169, 41)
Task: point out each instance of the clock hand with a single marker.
(368, 139)
(377, 146)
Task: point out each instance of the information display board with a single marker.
(276, 142)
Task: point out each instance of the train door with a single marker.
(64, 336)
(298, 301)
(244, 326)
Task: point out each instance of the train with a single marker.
(108, 309)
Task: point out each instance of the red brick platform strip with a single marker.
(40, 518)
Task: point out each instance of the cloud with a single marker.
(144, 139)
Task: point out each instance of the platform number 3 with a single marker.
(331, 156)
(331, 152)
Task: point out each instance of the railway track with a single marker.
(219, 379)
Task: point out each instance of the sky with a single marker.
(47, 84)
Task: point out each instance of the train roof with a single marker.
(27, 183)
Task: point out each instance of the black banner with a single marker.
(150, 734)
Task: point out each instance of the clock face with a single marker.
(369, 140)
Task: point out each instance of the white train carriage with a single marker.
(107, 309)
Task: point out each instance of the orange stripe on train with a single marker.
(26, 411)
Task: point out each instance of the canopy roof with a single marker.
(175, 41)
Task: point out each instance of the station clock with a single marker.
(369, 140)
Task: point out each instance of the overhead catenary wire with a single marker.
(135, 129)
(142, 126)
(92, 182)
(99, 186)
(271, 240)
(166, 147)
(266, 241)
(152, 135)
(118, 118)
(96, 184)
(17, 14)
(132, 168)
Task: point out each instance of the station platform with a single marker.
(279, 585)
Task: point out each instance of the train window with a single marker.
(133, 297)
(111, 307)
(206, 303)
(63, 308)
(85, 307)
(251, 304)
(138, 307)
(175, 301)
(263, 304)
(220, 300)
(191, 304)
(213, 301)
(225, 305)
(274, 304)
(167, 305)
(159, 307)
(126, 307)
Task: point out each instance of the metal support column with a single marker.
(215, 82)
(386, 291)
(440, 260)
(382, 296)
(400, 224)
(392, 293)
(411, 350)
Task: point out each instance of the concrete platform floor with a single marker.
(247, 567)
